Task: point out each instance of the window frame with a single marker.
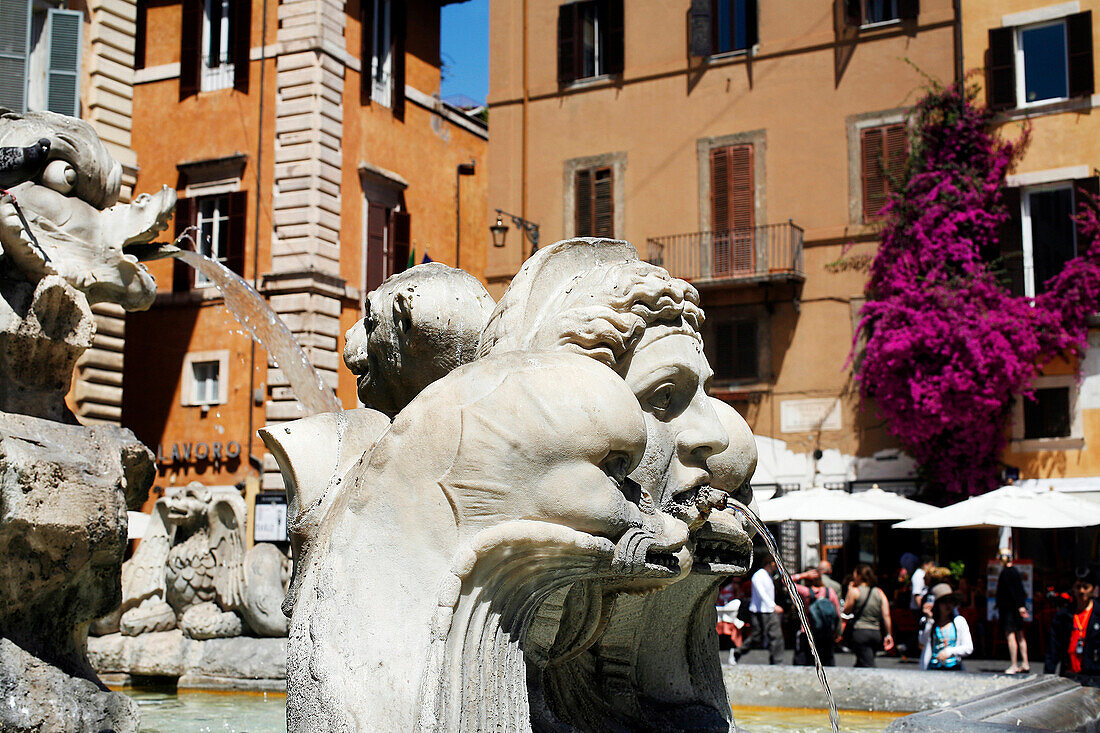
(608, 61)
(381, 68)
(1076, 438)
(617, 163)
(222, 76)
(219, 239)
(1026, 236)
(722, 315)
(865, 24)
(188, 384)
(1019, 60)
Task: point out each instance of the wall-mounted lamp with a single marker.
(500, 229)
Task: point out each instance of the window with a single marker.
(590, 39)
(1040, 63)
(219, 229)
(40, 52)
(1040, 236)
(215, 42)
(383, 53)
(1047, 416)
(733, 205)
(1051, 419)
(722, 26)
(388, 244)
(595, 202)
(874, 12)
(205, 378)
(736, 351)
(883, 151)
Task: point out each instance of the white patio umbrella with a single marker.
(908, 508)
(1011, 506)
(825, 505)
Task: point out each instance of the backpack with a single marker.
(823, 616)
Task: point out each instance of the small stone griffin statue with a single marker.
(191, 571)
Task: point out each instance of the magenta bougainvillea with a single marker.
(948, 347)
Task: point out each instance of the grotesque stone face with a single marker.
(187, 506)
(79, 229)
(421, 324)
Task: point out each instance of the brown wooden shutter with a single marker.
(567, 43)
(399, 10)
(377, 220)
(733, 209)
(701, 27)
(582, 210)
(141, 12)
(611, 14)
(1079, 52)
(237, 231)
(872, 147)
(1084, 190)
(853, 12)
(895, 154)
(752, 24)
(603, 203)
(719, 190)
(908, 9)
(190, 47)
(1011, 244)
(183, 276)
(241, 40)
(1000, 85)
(402, 241)
(366, 50)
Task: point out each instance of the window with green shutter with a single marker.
(40, 52)
(15, 40)
(63, 75)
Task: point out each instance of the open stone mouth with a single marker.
(722, 556)
(662, 561)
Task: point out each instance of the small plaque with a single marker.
(806, 416)
(270, 518)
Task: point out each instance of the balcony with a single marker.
(763, 254)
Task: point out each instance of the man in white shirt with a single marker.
(765, 615)
(920, 588)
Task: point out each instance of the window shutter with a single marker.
(908, 9)
(719, 190)
(582, 211)
(141, 12)
(874, 179)
(366, 49)
(376, 246)
(742, 194)
(399, 11)
(190, 47)
(1079, 51)
(567, 43)
(15, 30)
(1011, 244)
(895, 154)
(236, 236)
(701, 27)
(613, 43)
(1000, 88)
(603, 203)
(853, 12)
(183, 276)
(752, 25)
(63, 86)
(1083, 189)
(402, 242)
(242, 43)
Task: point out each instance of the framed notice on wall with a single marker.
(993, 571)
(270, 517)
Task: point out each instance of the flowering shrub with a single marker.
(947, 346)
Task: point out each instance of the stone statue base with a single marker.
(239, 663)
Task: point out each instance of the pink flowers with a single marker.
(947, 346)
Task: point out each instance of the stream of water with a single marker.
(268, 329)
(800, 609)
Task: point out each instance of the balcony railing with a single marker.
(758, 254)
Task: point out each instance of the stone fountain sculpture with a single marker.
(64, 488)
(552, 616)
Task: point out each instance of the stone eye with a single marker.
(60, 176)
(661, 398)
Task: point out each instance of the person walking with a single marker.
(870, 617)
(822, 606)
(919, 586)
(825, 570)
(1074, 647)
(945, 636)
(764, 614)
(1012, 612)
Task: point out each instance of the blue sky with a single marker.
(465, 50)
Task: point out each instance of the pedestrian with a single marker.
(765, 631)
(1074, 645)
(919, 586)
(869, 609)
(1012, 612)
(825, 570)
(945, 636)
(822, 606)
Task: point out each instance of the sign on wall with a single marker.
(807, 416)
(269, 524)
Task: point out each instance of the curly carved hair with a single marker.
(601, 312)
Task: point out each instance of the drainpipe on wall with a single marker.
(252, 459)
(959, 73)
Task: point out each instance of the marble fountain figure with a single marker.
(536, 541)
(64, 488)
